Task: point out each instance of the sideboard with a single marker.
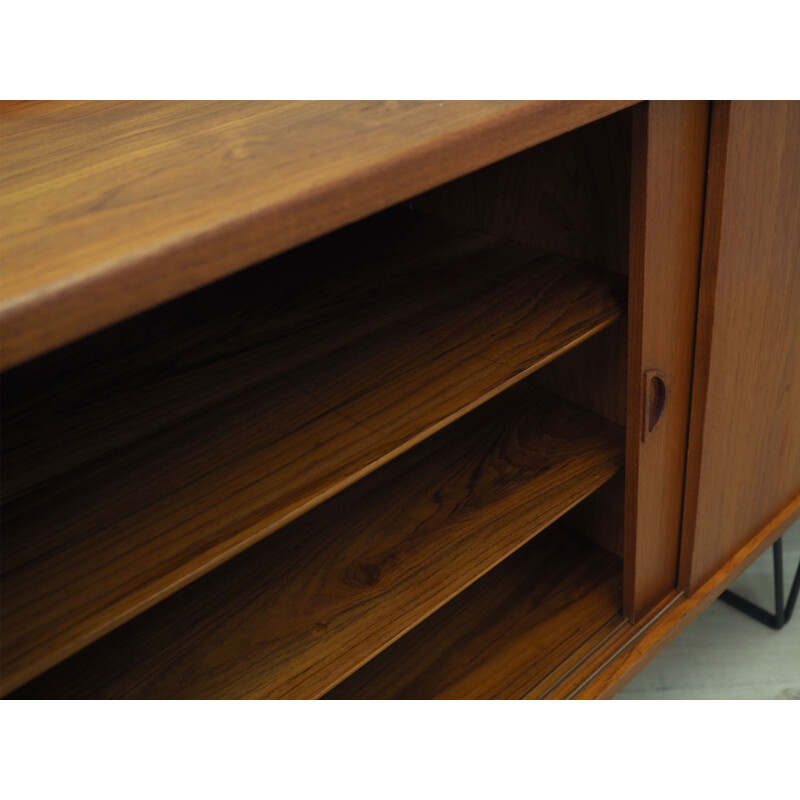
(387, 399)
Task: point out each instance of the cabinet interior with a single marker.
(387, 463)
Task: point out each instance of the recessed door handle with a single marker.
(654, 401)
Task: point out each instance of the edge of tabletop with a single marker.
(97, 295)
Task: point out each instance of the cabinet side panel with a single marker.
(743, 463)
(670, 145)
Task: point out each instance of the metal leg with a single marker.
(793, 592)
(782, 613)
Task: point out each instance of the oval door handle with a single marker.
(655, 399)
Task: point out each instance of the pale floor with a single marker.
(724, 654)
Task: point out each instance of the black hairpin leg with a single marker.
(782, 613)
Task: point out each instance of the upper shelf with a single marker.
(108, 209)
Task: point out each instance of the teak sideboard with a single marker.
(387, 399)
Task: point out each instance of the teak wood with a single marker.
(508, 633)
(744, 448)
(570, 195)
(669, 156)
(594, 376)
(294, 615)
(111, 208)
(243, 406)
(440, 452)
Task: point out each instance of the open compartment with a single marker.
(140, 458)
(300, 611)
(514, 634)
(398, 410)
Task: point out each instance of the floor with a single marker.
(724, 654)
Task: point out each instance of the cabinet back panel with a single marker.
(570, 195)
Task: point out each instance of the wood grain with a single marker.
(669, 163)
(138, 460)
(594, 375)
(601, 517)
(109, 208)
(508, 632)
(299, 612)
(570, 195)
(743, 463)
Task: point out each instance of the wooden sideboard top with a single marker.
(110, 208)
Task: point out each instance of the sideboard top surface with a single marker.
(110, 208)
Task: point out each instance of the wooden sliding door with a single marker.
(743, 466)
(668, 174)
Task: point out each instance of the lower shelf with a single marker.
(513, 634)
(298, 613)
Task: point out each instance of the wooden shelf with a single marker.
(242, 406)
(513, 634)
(302, 610)
(110, 208)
